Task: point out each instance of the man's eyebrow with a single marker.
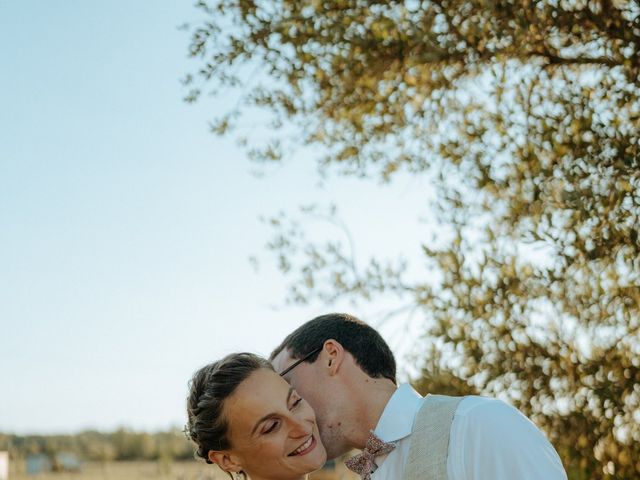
(269, 415)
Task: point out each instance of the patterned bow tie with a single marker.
(362, 464)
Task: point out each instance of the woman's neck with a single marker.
(301, 477)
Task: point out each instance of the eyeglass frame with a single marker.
(303, 359)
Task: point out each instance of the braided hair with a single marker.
(208, 389)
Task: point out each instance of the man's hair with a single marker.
(368, 348)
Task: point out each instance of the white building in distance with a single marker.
(4, 465)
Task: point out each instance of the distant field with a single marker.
(144, 470)
(131, 471)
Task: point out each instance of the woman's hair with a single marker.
(208, 389)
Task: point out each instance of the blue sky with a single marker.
(126, 227)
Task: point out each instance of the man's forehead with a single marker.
(282, 360)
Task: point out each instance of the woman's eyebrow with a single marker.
(269, 415)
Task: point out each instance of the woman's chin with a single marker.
(318, 463)
(318, 459)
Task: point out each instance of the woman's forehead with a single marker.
(262, 393)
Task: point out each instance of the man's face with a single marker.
(310, 380)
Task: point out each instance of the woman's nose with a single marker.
(299, 427)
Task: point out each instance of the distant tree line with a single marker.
(91, 445)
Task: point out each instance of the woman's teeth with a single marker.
(302, 447)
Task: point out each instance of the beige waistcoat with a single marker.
(430, 439)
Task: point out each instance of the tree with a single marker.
(525, 115)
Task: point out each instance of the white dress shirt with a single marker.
(488, 440)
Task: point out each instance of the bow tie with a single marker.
(362, 464)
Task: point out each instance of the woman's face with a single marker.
(272, 431)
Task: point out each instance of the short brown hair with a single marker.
(362, 341)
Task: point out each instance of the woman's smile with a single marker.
(305, 448)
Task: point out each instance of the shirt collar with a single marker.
(397, 418)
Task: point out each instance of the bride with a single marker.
(249, 421)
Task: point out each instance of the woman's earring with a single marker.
(239, 476)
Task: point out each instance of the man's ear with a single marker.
(333, 355)
(225, 460)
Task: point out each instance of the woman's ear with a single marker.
(333, 355)
(225, 460)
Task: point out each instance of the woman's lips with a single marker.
(305, 448)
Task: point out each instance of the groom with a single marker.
(347, 373)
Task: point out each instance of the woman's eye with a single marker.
(271, 427)
(297, 402)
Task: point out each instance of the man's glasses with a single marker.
(303, 359)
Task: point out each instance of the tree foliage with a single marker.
(525, 116)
